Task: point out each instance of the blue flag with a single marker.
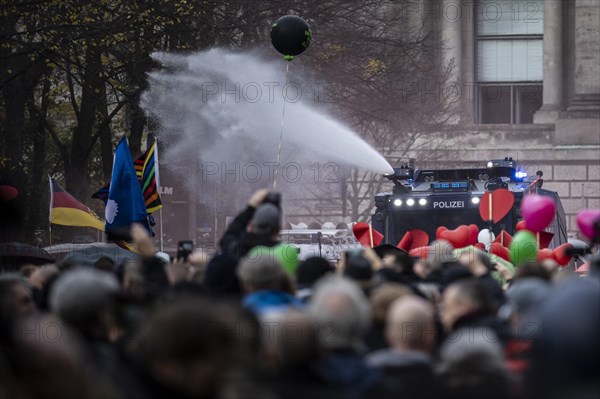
(125, 203)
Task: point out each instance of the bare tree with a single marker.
(380, 66)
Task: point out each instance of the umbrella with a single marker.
(88, 254)
(15, 254)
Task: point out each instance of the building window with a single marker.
(509, 60)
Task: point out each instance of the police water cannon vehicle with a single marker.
(429, 198)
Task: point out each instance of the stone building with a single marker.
(529, 77)
(525, 83)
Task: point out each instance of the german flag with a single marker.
(67, 211)
(146, 168)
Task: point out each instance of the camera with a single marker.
(273, 198)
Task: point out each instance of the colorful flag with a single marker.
(146, 168)
(125, 203)
(67, 211)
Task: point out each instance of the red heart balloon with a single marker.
(414, 238)
(560, 254)
(521, 225)
(480, 246)
(459, 237)
(544, 254)
(439, 231)
(474, 233)
(500, 250)
(502, 202)
(406, 242)
(420, 238)
(420, 252)
(545, 239)
(504, 238)
(363, 235)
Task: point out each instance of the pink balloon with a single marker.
(538, 211)
(586, 220)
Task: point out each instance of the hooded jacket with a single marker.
(238, 241)
(348, 370)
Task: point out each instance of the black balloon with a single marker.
(290, 35)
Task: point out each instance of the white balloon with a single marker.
(299, 226)
(485, 238)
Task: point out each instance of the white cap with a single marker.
(163, 256)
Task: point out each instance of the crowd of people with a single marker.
(378, 324)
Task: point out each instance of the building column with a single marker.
(580, 123)
(451, 15)
(553, 63)
(468, 87)
(587, 57)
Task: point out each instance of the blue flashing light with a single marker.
(520, 175)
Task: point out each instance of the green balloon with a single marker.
(286, 255)
(523, 248)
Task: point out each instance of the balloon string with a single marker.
(287, 67)
(491, 223)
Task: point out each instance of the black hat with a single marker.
(388, 249)
(311, 270)
(358, 267)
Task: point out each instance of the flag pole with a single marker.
(50, 211)
(156, 175)
(161, 230)
(491, 219)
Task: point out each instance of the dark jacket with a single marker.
(238, 241)
(375, 337)
(487, 322)
(220, 277)
(303, 382)
(154, 389)
(410, 372)
(495, 289)
(348, 371)
(111, 368)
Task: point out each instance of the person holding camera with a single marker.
(258, 224)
